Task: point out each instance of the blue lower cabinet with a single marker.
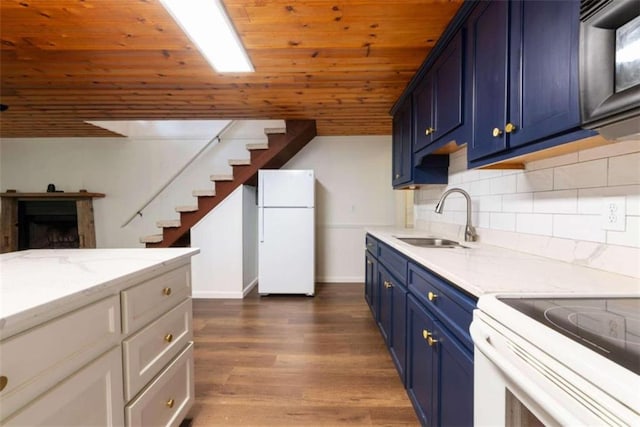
(421, 367)
(371, 273)
(424, 321)
(455, 388)
(439, 370)
(398, 341)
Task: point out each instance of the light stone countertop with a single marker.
(481, 269)
(37, 285)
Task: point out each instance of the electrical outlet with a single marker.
(614, 215)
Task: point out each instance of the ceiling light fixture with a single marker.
(207, 25)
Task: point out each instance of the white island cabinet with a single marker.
(96, 337)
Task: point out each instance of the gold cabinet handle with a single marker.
(166, 291)
(426, 334)
(431, 341)
(170, 403)
(388, 284)
(368, 262)
(510, 127)
(3, 382)
(168, 337)
(496, 132)
(429, 131)
(397, 175)
(432, 296)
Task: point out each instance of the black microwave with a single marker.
(610, 66)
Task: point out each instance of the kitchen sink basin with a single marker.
(430, 242)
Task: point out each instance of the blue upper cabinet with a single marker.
(402, 153)
(524, 59)
(438, 98)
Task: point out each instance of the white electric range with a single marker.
(556, 360)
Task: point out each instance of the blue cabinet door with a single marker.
(398, 342)
(402, 149)
(544, 69)
(489, 27)
(423, 124)
(448, 90)
(370, 280)
(455, 365)
(421, 381)
(385, 285)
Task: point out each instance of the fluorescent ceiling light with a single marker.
(206, 23)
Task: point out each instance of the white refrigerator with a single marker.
(286, 231)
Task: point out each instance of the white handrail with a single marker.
(178, 173)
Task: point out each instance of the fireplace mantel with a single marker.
(9, 215)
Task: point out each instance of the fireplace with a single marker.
(47, 220)
(50, 224)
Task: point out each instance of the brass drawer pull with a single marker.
(168, 337)
(170, 403)
(426, 334)
(166, 291)
(388, 284)
(496, 132)
(432, 296)
(431, 341)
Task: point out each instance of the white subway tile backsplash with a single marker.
(629, 237)
(487, 203)
(624, 170)
(565, 159)
(503, 221)
(539, 180)
(565, 201)
(503, 185)
(581, 175)
(519, 202)
(609, 150)
(579, 227)
(541, 224)
(552, 209)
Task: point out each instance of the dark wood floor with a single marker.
(295, 360)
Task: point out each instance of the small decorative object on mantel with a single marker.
(51, 188)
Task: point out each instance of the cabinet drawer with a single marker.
(149, 350)
(394, 262)
(90, 397)
(451, 306)
(372, 245)
(145, 302)
(37, 359)
(168, 398)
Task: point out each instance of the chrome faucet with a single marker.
(469, 232)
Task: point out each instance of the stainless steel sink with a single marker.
(430, 242)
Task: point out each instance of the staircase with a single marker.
(282, 145)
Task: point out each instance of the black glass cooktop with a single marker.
(609, 326)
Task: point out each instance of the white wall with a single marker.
(227, 265)
(128, 170)
(552, 208)
(353, 191)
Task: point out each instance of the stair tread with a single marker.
(152, 238)
(168, 223)
(203, 193)
(271, 131)
(239, 162)
(258, 146)
(221, 177)
(187, 208)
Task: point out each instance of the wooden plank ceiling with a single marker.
(341, 62)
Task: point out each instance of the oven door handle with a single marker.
(481, 341)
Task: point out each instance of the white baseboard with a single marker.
(216, 295)
(340, 279)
